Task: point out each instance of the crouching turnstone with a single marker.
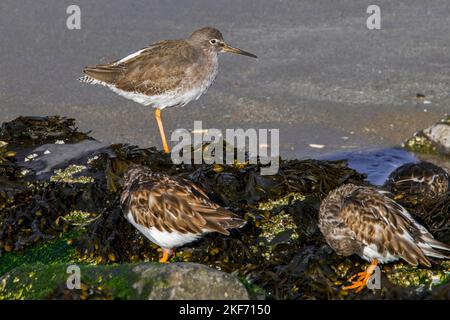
(364, 221)
(171, 211)
(424, 180)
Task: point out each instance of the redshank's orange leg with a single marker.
(161, 130)
(361, 282)
(166, 255)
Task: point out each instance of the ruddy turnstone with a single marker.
(364, 221)
(168, 73)
(424, 180)
(171, 211)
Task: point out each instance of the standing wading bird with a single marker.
(171, 211)
(364, 221)
(169, 73)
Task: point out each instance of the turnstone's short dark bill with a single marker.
(171, 211)
(364, 221)
(423, 179)
(168, 73)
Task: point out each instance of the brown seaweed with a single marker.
(280, 250)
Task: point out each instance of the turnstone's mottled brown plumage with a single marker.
(165, 74)
(424, 180)
(365, 221)
(171, 211)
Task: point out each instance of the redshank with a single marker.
(168, 73)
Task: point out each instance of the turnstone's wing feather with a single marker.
(384, 225)
(174, 204)
(151, 71)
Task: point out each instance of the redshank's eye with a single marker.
(213, 41)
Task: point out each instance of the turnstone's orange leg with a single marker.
(361, 282)
(161, 130)
(166, 255)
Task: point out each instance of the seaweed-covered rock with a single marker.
(435, 139)
(30, 131)
(54, 213)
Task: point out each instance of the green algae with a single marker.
(275, 226)
(420, 144)
(255, 292)
(80, 218)
(56, 251)
(407, 276)
(38, 281)
(67, 175)
(287, 200)
(423, 141)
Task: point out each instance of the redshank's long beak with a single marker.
(228, 48)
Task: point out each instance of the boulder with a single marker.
(141, 281)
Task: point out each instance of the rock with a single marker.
(186, 281)
(139, 281)
(435, 139)
(30, 131)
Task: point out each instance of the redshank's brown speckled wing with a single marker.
(170, 204)
(378, 220)
(155, 70)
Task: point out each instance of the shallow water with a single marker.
(377, 164)
(45, 159)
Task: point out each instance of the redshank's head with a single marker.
(212, 40)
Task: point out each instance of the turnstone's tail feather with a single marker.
(434, 244)
(223, 220)
(431, 252)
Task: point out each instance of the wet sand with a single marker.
(322, 77)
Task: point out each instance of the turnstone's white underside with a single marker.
(165, 239)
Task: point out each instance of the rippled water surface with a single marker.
(377, 164)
